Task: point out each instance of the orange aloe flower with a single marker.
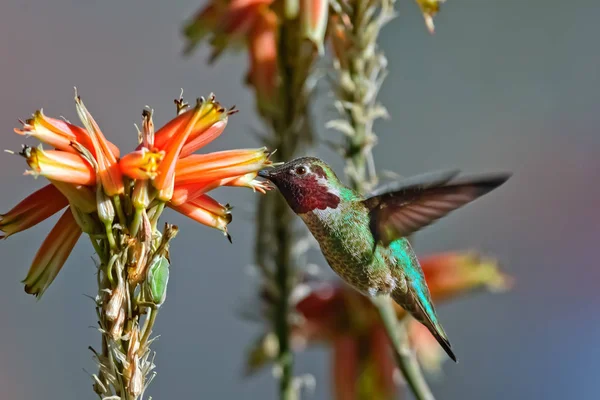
(35, 208)
(52, 255)
(337, 315)
(226, 22)
(88, 176)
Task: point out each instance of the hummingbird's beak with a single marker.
(264, 174)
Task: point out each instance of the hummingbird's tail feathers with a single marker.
(411, 304)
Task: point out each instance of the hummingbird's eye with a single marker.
(300, 170)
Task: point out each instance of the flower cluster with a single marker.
(339, 316)
(255, 23)
(108, 195)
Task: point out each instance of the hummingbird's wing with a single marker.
(425, 180)
(400, 213)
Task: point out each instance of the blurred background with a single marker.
(503, 85)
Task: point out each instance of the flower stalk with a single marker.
(361, 67)
(118, 201)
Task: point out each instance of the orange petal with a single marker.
(108, 168)
(59, 165)
(206, 211)
(208, 125)
(201, 138)
(58, 133)
(52, 255)
(190, 191)
(35, 208)
(176, 138)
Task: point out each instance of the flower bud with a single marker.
(158, 278)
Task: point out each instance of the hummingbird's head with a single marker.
(307, 184)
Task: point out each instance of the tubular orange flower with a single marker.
(58, 133)
(108, 171)
(211, 122)
(141, 164)
(314, 15)
(221, 173)
(202, 169)
(188, 120)
(226, 21)
(206, 211)
(32, 210)
(52, 255)
(339, 40)
(262, 44)
(190, 191)
(454, 273)
(198, 163)
(59, 165)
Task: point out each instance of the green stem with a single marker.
(282, 216)
(405, 358)
(362, 60)
(120, 213)
(148, 325)
(137, 221)
(157, 212)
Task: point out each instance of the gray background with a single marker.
(503, 85)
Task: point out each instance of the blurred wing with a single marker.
(429, 179)
(403, 212)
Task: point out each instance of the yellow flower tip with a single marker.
(141, 164)
(430, 8)
(58, 165)
(249, 180)
(489, 273)
(456, 273)
(52, 255)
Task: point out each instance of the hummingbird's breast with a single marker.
(346, 242)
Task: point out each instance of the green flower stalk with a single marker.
(283, 39)
(117, 202)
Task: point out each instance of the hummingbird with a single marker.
(364, 239)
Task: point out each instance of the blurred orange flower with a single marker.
(339, 316)
(87, 176)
